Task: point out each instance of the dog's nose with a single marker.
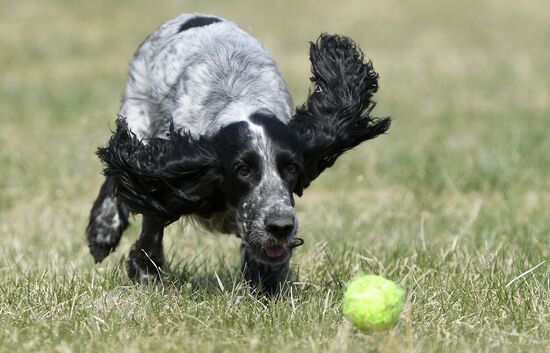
(279, 226)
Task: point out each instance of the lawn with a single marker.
(453, 203)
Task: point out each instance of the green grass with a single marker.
(453, 203)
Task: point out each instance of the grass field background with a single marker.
(453, 203)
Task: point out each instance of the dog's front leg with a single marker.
(268, 278)
(108, 220)
(147, 255)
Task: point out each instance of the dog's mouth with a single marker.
(274, 251)
(278, 251)
(273, 254)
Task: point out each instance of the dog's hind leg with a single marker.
(108, 220)
(147, 255)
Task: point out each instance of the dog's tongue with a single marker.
(274, 251)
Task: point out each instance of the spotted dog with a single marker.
(208, 130)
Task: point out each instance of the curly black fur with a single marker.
(336, 115)
(165, 178)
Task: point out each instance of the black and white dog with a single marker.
(208, 130)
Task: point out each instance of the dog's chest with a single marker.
(223, 222)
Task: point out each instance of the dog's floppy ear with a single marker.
(336, 116)
(165, 178)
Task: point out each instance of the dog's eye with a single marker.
(243, 171)
(292, 169)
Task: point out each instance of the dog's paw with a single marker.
(108, 220)
(102, 240)
(143, 275)
(144, 269)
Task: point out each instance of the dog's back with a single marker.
(202, 72)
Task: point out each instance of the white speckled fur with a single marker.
(203, 78)
(108, 218)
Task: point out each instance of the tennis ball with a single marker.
(373, 302)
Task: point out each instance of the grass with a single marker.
(453, 203)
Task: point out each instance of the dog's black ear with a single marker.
(165, 178)
(336, 116)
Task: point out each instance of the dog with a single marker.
(208, 130)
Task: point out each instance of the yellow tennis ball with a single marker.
(373, 302)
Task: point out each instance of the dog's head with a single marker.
(261, 162)
(250, 169)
